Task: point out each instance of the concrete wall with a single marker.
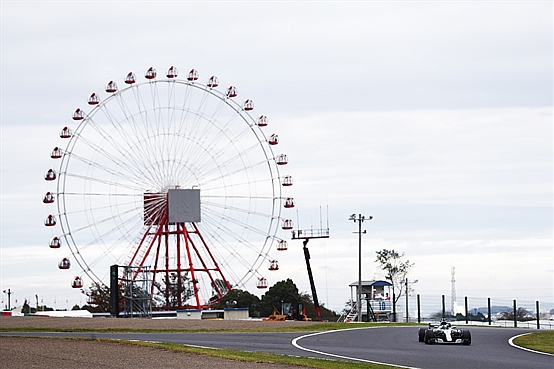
(236, 313)
(189, 314)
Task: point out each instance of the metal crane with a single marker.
(306, 235)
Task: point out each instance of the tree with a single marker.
(99, 295)
(241, 299)
(175, 288)
(522, 315)
(283, 291)
(308, 302)
(391, 262)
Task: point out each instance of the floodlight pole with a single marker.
(359, 220)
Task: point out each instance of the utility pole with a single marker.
(407, 311)
(9, 293)
(407, 293)
(359, 220)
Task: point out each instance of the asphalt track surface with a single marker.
(399, 346)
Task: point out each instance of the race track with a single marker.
(399, 346)
(387, 345)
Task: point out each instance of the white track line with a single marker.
(511, 342)
(295, 344)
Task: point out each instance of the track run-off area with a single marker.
(491, 348)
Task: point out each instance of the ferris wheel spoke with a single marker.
(225, 206)
(100, 181)
(118, 154)
(129, 140)
(123, 245)
(96, 223)
(230, 174)
(222, 132)
(105, 170)
(130, 117)
(236, 212)
(230, 248)
(222, 149)
(239, 157)
(236, 222)
(115, 156)
(245, 184)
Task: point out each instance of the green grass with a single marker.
(538, 341)
(262, 357)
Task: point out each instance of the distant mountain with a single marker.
(494, 310)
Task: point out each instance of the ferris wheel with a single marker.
(171, 175)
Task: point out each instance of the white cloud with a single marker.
(434, 117)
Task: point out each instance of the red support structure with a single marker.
(177, 250)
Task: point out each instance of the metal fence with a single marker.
(470, 310)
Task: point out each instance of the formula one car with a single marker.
(444, 333)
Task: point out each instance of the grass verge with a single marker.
(262, 357)
(538, 341)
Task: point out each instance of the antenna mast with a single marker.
(453, 293)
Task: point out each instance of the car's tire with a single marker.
(466, 335)
(429, 337)
(421, 334)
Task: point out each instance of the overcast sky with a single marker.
(434, 117)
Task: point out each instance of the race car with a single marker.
(444, 333)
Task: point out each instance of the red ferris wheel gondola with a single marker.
(56, 153)
(273, 139)
(282, 245)
(282, 159)
(50, 221)
(213, 82)
(248, 105)
(130, 79)
(65, 133)
(55, 243)
(78, 114)
(273, 265)
(111, 87)
(287, 181)
(50, 175)
(77, 282)
(93, 99)
(48, 198)
(150, 73)
(193, 75)
(262, 283)
(289, 202)
(287, 224)
(262, 121)
(231, 91)
(64, 264)
(172, 72)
